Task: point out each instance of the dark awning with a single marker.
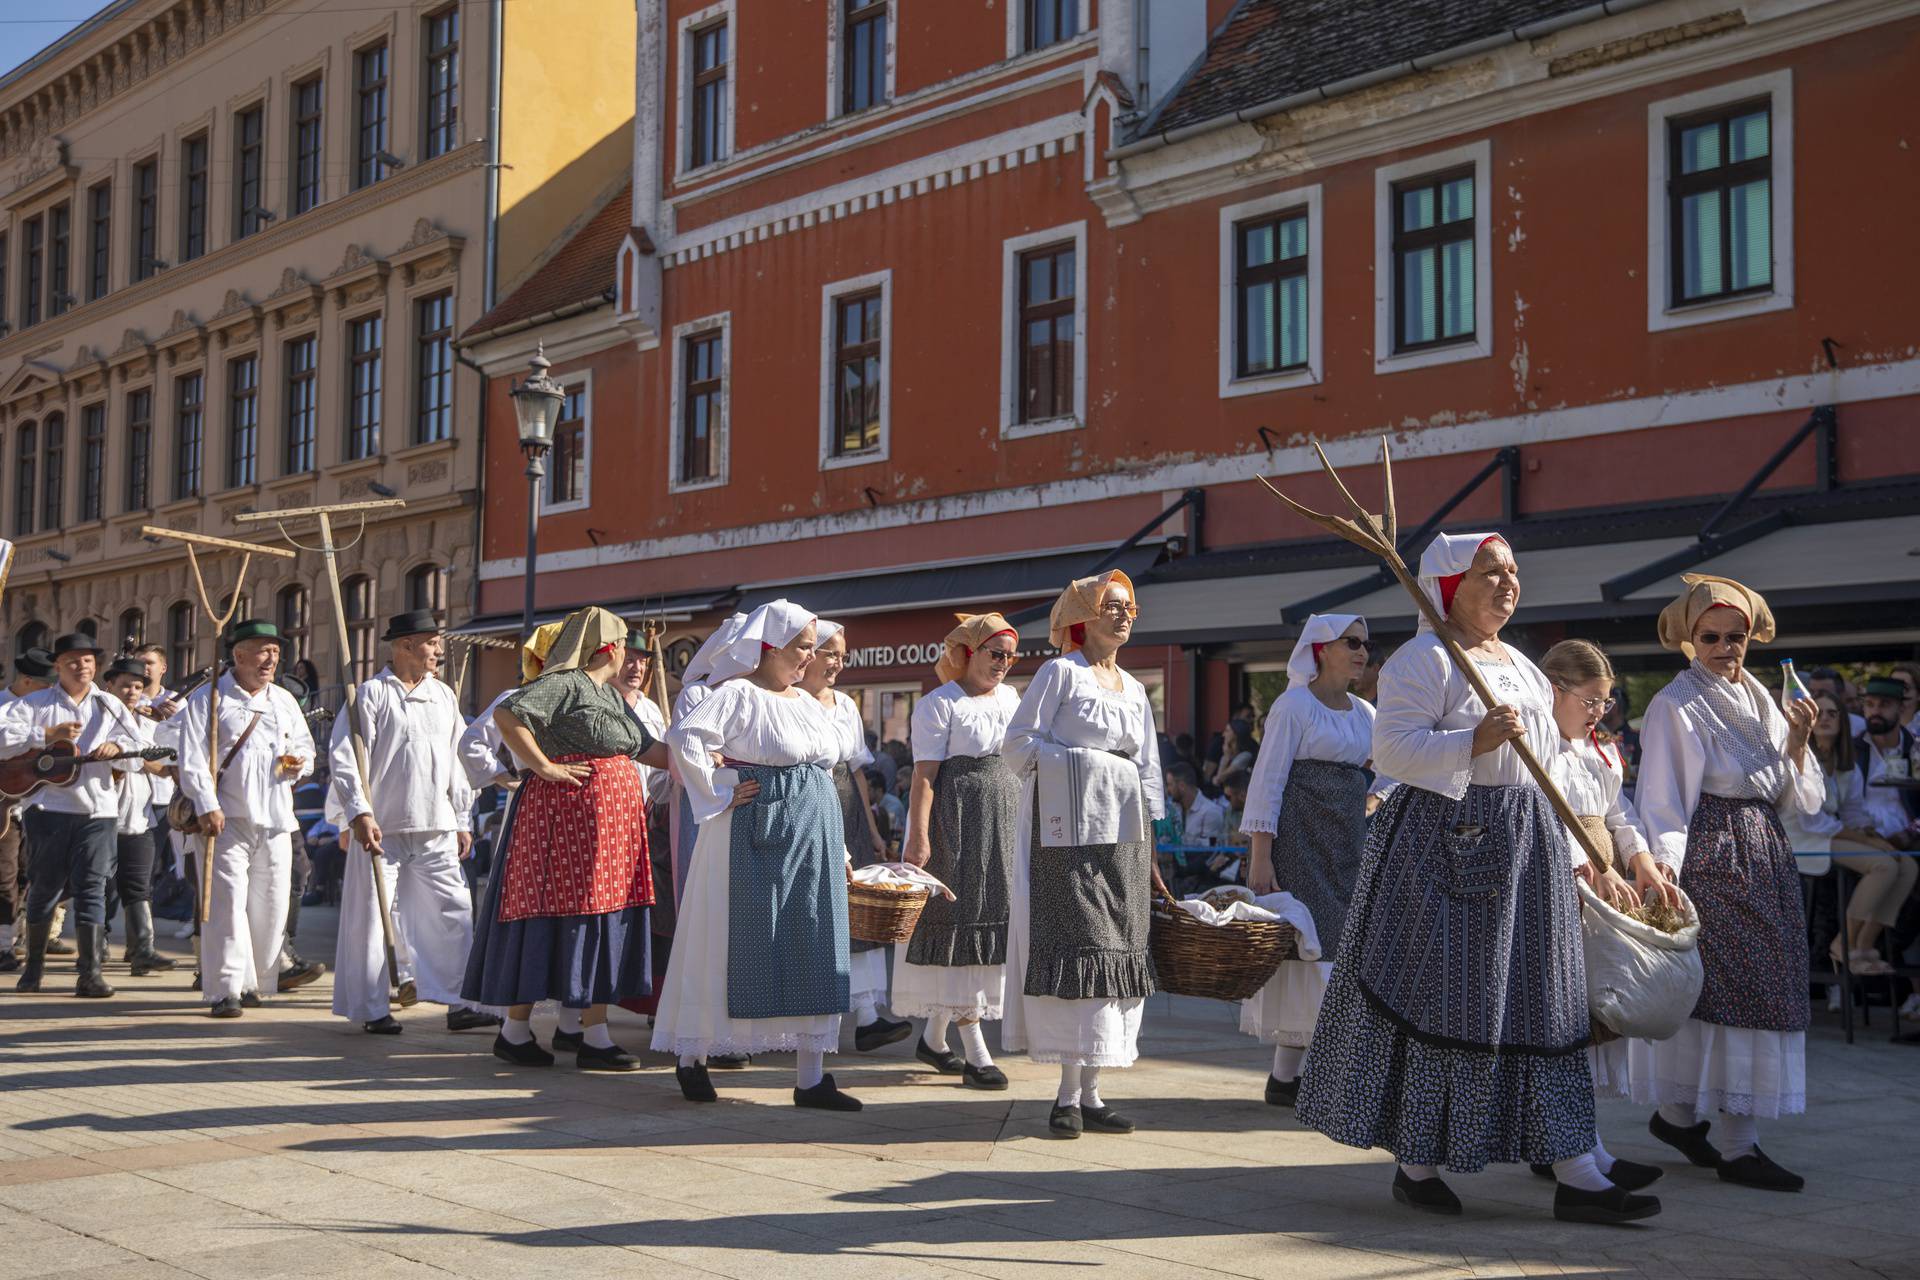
(676, 608)
(996, 583)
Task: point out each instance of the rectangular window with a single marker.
(433, 355)
(146, 219)
(700, 413)
(189, 433)
(93, 462)
(249, 159)
(1433, 268)
(54, 475)
(1047, 322)
(863, 54)
(99, 240)
(1270, 294)
(243, 421)
(193, 198)
(302, 387)
(33, 272)
(443, 82)
(309, 145)
(60, 259)
(1045, 22)
(370, 138)
(567, 472)
(140, 449)
(857, 373)
(364, 339)
(26, 447)
(709, 145)
(1720, 192)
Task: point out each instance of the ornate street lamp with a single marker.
(536, 403)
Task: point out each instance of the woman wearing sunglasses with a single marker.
(1719, 763)
(1455, 1018)
(964, 819)
(1306, 821)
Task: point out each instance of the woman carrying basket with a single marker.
(1306, 822)
(963, 826)
(1456, 1017)
(1083, 741)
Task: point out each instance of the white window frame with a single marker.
(723, 321)
(1307, 198)
(836, 22)
(582, 378)
(829, 296)
(1480, 156)
(1017, 10)
(1776, 86)
(683, 86)
(1011, 428)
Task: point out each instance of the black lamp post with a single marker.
(536, 403)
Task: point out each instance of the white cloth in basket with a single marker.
(1273, 908)
(900, 875)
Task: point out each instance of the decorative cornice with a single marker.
(358, 278)
(236, 317)
(428, 253)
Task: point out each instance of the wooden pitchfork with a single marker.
(1380, 535)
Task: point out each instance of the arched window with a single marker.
(53, 473)
(133, 629)
(427, 589)
(35, 635)
(24, 446)
(183, 639)
(290, 614)
(244, 612)
(89, 627)
(358, 594)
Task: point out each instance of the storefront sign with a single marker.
(917, 655)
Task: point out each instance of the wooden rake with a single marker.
(1379, 534)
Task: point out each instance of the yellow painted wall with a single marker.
(566, 122)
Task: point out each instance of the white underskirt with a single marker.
(1610, 1068)
(958, 991)
(1714, 1068)
(691, 1018)
(1285, 1010)
(867, 976)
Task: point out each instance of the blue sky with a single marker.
(28, 26)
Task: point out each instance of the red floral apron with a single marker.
(579, 851)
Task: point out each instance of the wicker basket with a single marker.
(876, 914)
(1219, 962)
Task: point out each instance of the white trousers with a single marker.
(428, 893)
(240, 946)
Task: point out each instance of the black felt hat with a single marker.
(414, 622)
(78, 642)
(37, 663)
(126, 667)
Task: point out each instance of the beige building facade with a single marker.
(237, 241)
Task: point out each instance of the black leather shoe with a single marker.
(880, 1033)
(1281, 1093)
(150, 962)
(91, 986)
(300, 975)
(1064, 1122)
(989, 1077)
(1757, 1169)
(1626, 1174)
(946, 1062)
(1541, 1170)
(1690, 1142)
(1104, 1120)
(225, 1007)
(825, 1096)
(568, 1041)
(59, 947)
(588, 1058)
(1428, 1195)
(250, 1000)
(529, 1054)
(459, 1019)
(729, 1061)
(384, 1025)
(1602, 1208)
(694, 1084)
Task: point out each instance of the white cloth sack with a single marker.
(1087, 797)
(1641, 981)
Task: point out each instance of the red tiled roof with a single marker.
(583, 270)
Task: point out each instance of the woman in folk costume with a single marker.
(1591, 774)
(1718, 763)
(759, 962)
(696, 683)
(963, 825)
(1083, 869)
(1455, 1021)
(566, 912)
(867, 961)
(1306, 822)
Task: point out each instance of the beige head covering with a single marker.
(533, 654)
(1704, 592)
(584, 633)
(1080, 602)
(975, 629)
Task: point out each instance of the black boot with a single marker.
(1690, 1141)
(92, 940)
(36, 956)
(144, 959)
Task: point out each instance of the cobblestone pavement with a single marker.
(139, 1138)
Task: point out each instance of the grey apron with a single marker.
(787, 908)
(972, 829)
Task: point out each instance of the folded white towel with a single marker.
(1272, 907)
(901, 875)
(1088, 797)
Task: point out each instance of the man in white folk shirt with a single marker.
(415, 825)
(71, 830)
(32, 672)
(243, 792)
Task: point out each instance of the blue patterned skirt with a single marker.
(1453, 1024)
(787, 951)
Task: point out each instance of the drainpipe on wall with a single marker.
(494, 46)
(470, 698)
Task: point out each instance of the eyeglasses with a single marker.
(999, 659)
(1601, 705)
(1355, 643)
(1119, 609)
(1712, 639)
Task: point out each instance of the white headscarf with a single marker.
(1321, 628)
(1448, 556)
(825, 631)
(774, 624)
(700, 667)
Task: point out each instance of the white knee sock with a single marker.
(973, 1043)
(1419, 1172)
(516, 1031)
(1580, 1173)
(1090, 1088)
(866, 1013)
(1738, 1136)
(690, 1060)
(1602, 1158)
(599, 1037)
(809, 1068)
(1678, 1113)
(936, 1033)
(1286, 1062)
(568, 1021)
(1069, 1095)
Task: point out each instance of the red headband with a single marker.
(1316, 651)
(1078, 633)
(608, 647)
(1004, 631)
(1450, 582)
